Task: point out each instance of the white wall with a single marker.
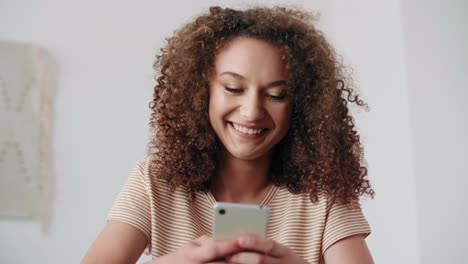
(437, 61)
(369, 33)
(102, 53)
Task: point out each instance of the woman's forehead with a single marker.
(249, 57)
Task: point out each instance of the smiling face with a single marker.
(249, 104)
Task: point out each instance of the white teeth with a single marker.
(245, 130)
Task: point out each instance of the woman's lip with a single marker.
(248, 126)
(244, 135)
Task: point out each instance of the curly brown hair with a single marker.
(321, 151)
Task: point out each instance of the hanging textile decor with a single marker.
(25, 108)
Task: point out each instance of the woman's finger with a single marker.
(252, 257)
(263, 245)
(212, 250)
(199, 241)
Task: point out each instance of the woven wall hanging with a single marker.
(25, 112)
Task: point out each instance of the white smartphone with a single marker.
(233, 219)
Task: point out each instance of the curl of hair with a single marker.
(321, 151)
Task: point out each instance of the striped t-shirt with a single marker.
(169, 220)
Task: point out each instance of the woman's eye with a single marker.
(277, 97)
(233, 90)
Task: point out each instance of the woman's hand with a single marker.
(255, 249)
(202, 250)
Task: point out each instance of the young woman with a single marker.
(250, 107)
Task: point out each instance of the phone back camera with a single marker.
(222, 211)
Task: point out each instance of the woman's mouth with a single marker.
(247, 131)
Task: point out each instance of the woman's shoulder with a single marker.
(284, 193)
(322, 199)
(155, 184)
(301, 201)
(143, 171)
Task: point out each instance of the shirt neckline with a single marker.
(265, 202)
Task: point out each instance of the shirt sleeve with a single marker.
(132, 205)
(343, 221)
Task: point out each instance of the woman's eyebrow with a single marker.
(277, 83)
(233, 74)
(242, 78)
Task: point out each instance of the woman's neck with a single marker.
(242, 181)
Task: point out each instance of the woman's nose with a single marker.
(252, 109)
